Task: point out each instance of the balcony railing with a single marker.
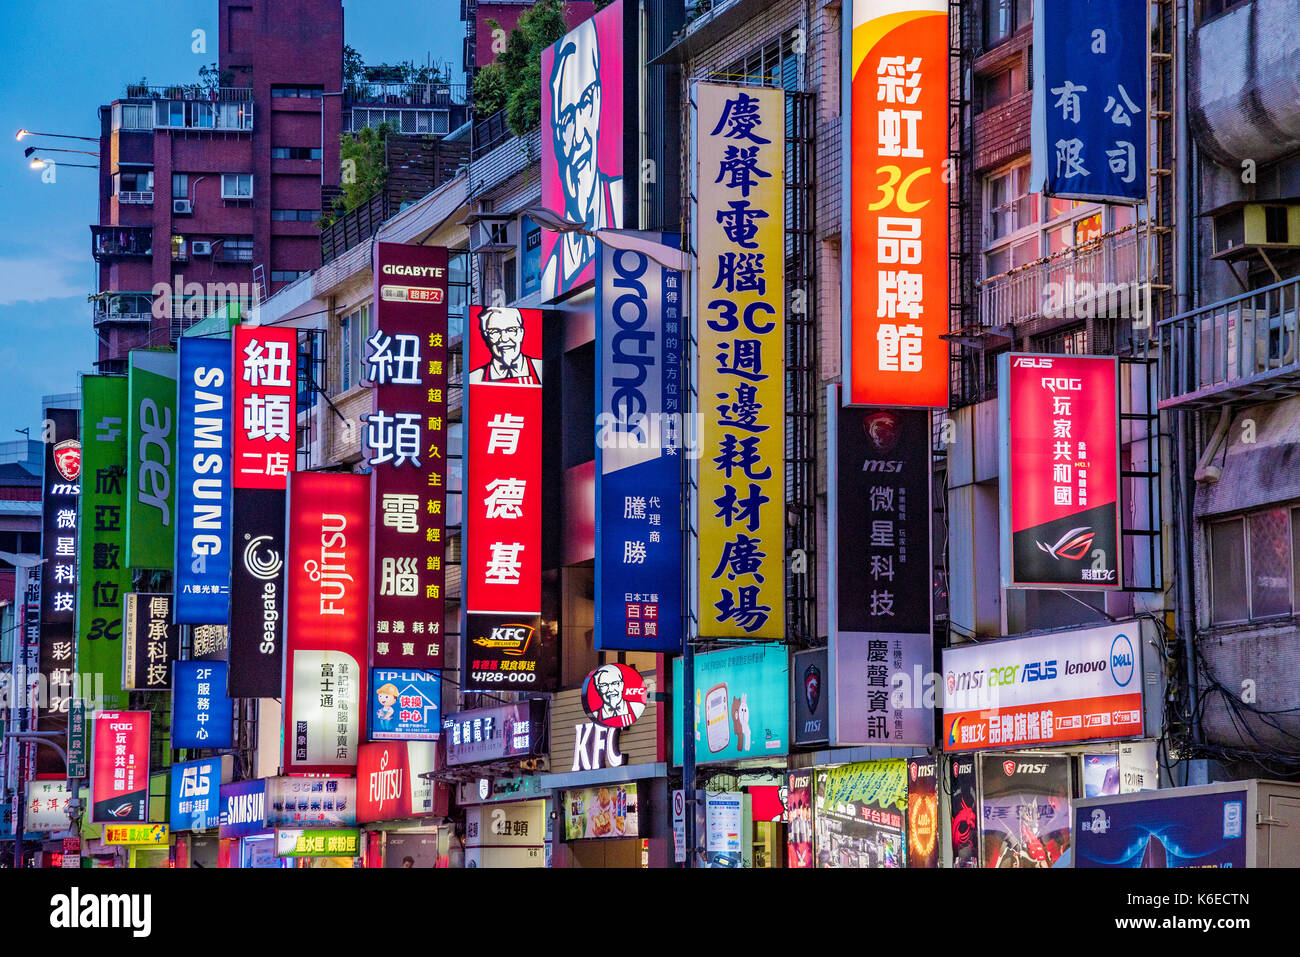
(355, 226)
(189, 91)
(435, 95)
(139, 197)
(1239, 347)
(114, 242)
(1098, 278)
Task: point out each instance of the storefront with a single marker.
(246, 841)
(401, 806)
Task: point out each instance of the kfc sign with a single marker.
(594, 747)
(614, 695)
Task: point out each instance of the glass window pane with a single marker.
(1270, 563)
(1227, 572)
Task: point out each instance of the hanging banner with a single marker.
(405, 448)
(1089, 122)
(196, 793)
(263, 456)
(105, 577)
(740, 149)
(582, 145)
(923, 812)
(405, 705)
(860, 813)
(895, 204)
(742, 704)
(202, 715)
(119, 781)
(203, 487)
(327, 633)
(638, 451)
(1024, 809)
(1059, 471)
(61, 486)
(311, 802)
(150, 642)
(963, 816)
(151, 460)
(799, 811)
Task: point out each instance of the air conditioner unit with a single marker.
(491, 234)
(182, 207)
(201, 247)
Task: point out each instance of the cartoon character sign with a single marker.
(582, 145)
(740, 721)
(614, 695)
(385, 715)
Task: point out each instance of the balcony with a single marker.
(1104, 277)
(136, 197)
(186, 107)
(130, 308)
(1238, 348)
(121, 242)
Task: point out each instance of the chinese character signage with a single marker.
(151, 460)
(325, 843)
(488, 734)
(740, 149)
(895, 204)
(638, 451)
(329, 584)
(119, 781)
(210, 642)
(1052, 689)
(61, 487)
(264, 423)
(313, 802)
(156, 835)
(742, 704)
(405, 442)
(1090, 100)
(1183, 827)
(196, 793)
(150, 642)
(1024, 809)
(202, 714)
(105, 576)
(405, 705)
(395, 781)
(511, 653)
(582, 145)
(203, 443)
(47, 807)
(860, 810)
(1060, 468)
(243, 808)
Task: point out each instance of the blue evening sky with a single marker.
(58, 64)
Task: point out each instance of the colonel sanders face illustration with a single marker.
(609, 683)
(502, 330)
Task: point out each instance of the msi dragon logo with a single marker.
(1073, 545)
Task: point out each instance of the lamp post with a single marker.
(40, 163)
(89, 139)
(53, 149)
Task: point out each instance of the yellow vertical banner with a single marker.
(740, 327)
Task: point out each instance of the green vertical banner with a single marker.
(151, 461)
(105, 575)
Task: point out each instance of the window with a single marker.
(180, 186)
(1253, 566)
(235, 249)
(287, 275)
(236, 185)
(133, 181)
(511, 286)
(355, 329)
(133, 116)
(295, 152)
(1217, 8)
(999, 87)
(1002, 18)
(306, 92)
(295, 215)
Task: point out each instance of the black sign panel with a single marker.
(964, 803)
(811, 717)
(257, 593)
(883, 520)
(509, 653)
(61, 489)
(152, 642)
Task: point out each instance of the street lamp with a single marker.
(664, 255)
(39, 163)
(21, 133)
(53, 149)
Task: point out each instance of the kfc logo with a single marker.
(614, 695)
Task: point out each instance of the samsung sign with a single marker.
(243, 808)
(203, 480)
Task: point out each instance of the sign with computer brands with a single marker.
(1024, 809)
(895, 203)
(739, 147)
(405, 705)
(1089, 121)
(150, 642)
(1081, 685)
(923, 812)
(243, 808)
(504, 647)
(405, 446)
(196, 792)
(203, 487)
(638, 450)
(60, 489)
(395, 781)
(265, 440)
(1206, 826)
(327, 632)
(489, 734)
(1059, 471)
(119, 781)
(151, 460)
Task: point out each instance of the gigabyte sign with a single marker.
(398, 269)
(595, 746)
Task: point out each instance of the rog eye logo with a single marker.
(1073, 545)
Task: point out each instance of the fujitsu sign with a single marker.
(384, 784)
(330, 572)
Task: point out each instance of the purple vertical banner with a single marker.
(61, 489)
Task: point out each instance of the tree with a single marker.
(365, 171)
(514, 81)
(353, 65)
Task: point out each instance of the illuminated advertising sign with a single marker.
(405, 446)
(203, 443)
(156, 835)
(322, 843)
(742, 704)
(614, 695)
(311, 802)
(582, 145)
(1182, 827)
(638, 451)
(119, 781)
(1024, 809)
(196, 793)
(243, 808)
(150, 642)
(61, 487)
(1089, 129)
(799, 812)
(395, 781)
(151, 460)
(811, 697)
(1080, 685)
(923, 812)
(405, 705)
(895, 202)
(47, 807)
(600, 813)
(860, 815)
(202, 714)
(489, 734)
(740, 148)
(105, 576)
(327, 633)
(1059, 471)
(265, 417)
(964, 810)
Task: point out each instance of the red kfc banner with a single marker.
(266, 379)
(1060, 468)
(328, 614)
(405, 447)
(503, 495)
(119, 776)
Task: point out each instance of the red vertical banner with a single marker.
(119, 782)
(327, 629)
(896, 204)
(266, 380)
(406, 449)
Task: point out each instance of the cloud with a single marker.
(39, 279)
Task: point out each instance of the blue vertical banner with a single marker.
(638, 451)
(1090, 99)
(202, 715)
(203, 510)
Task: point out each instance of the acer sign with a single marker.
(119, 782)
(1060, 471)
